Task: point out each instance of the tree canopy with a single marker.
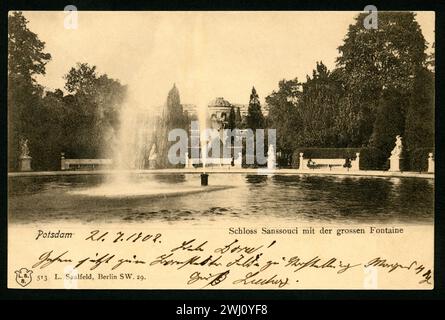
(254, 118)
(380, 87)
(81, 123)
(26, 59)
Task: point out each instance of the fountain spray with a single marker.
(202, 118)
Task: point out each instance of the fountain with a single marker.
(139, 144)
(203, 144)
(202, 119)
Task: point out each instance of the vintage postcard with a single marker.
(212, 150)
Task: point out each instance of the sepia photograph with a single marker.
(221, 149)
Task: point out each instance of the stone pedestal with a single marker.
(430, 163)
(25, 163)
(394, 164)
(62, 161)
(355, 164)
(153, 158)
(204, 179)
(301, 165)
(271, 158)
(239, 161)
(188, 162)
(152, 164)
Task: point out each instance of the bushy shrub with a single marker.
(418, 159)
(373, 159)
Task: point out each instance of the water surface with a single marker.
(293, 198)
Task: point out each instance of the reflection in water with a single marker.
(169, 178)
(254, 179)
(292, 198)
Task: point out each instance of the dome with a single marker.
(220, 102)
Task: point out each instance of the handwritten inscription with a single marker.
(97, 235)
(206, 265)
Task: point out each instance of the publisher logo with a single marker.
(23, 276)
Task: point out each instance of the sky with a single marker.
(206, 54)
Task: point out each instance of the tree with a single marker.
(254, 118)
(26, 59)
(419, 125)
(348, 116)
(173, 117)
(318, 108)
(231, 124)
(238, 119)
(81, 79)
(284, 117)
(82, 123)
(25, 50)
(373, 60)
(431, 59)
(94, 106)
(388, 124)
(50, 118)
(174, 111)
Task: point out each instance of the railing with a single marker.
(84, 164)
(214, 162)
(353, 165)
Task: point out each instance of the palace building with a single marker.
(218, 112)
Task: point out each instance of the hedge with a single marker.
(373, 159)
(418, 159)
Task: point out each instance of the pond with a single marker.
(231, 197)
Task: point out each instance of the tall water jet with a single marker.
(202, 119)
(134, 140)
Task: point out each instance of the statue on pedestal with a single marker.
(24, 159)
(396, 153)
(301, 166)
(430, 162)
(239, 160)
(355, 164)
(271, 158)
(152, 158)
(188, 161)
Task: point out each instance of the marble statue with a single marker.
(355, 164)
(24, 149)
(396, 153)
(24, 158)
(152, 158)
(271, 158)
(301, 166)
